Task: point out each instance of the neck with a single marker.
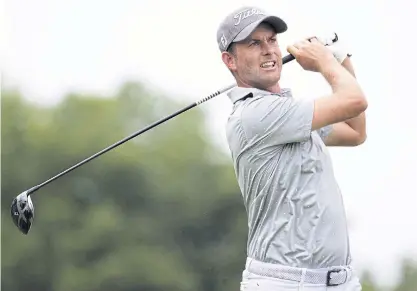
(273, 89)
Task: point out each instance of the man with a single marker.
(297, 236)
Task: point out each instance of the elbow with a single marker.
(356, 140)
(361, 139)
(363, 104)
(355, 103)
(360, 104)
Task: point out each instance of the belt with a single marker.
(332, 276)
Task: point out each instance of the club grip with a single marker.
(287, 59)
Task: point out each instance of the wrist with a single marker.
(328, 65)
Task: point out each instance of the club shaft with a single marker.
(221, 91)
(286, 59)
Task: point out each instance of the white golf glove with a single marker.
(337, 48)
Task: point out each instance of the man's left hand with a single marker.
(338, 49)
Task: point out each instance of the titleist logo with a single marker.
(246, 13)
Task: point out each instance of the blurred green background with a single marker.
(161, 212)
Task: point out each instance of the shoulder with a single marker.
(264, 107)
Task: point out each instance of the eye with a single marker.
(254, 43)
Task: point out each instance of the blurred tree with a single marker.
(158, 213)
(408, 280)
(367, 282)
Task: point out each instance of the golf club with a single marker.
(22, 210)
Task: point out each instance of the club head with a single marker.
(22, 212)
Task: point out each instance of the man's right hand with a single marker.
(347, 100)
(312, 55)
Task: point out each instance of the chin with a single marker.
(269, 82)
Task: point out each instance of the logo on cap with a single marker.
(223, 40)
(247, 13)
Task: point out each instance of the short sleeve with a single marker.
(277, 120)
(324, 131)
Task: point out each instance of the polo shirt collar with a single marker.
(239, 93)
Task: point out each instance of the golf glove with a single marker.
(337, 48)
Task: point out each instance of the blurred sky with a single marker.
(56, 46)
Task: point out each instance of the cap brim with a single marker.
(277, 23)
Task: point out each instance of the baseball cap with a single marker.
(239, 24)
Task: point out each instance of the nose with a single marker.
(268, 48)
(22, 212)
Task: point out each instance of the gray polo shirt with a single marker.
(295, 210)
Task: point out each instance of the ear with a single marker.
(229, 60)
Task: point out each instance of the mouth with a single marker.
(270, 65)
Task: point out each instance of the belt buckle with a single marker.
(328, 279)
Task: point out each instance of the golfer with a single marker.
(297, 228)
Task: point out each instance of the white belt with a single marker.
(332, 276)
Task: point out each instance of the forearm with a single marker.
(342, 83)
(357, 123)
(347, 99)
